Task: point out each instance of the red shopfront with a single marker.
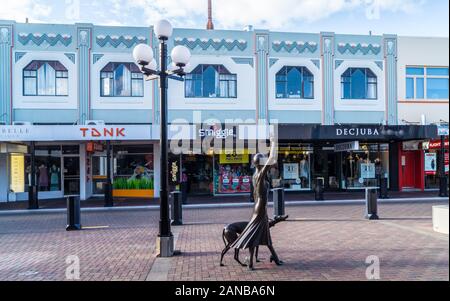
(419, 164)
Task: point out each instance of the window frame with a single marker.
(286, 82)
(425, 78)
(36, 77)
(367, 84)
(202, 81)
(131, 79)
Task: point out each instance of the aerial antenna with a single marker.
(210, 25)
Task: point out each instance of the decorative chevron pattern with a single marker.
(216, 44)
(50, 38)
(290, 46)
(354, 48)
(116, 41)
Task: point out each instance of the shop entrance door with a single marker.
(71, 175)
(408, 170)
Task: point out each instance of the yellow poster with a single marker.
(17, 173)
(234, 159)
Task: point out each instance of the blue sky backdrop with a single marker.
(403, 17)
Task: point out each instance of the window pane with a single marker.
(410, 88)
(281, 90)
(106, 87)
(415, 71)
(345, 90)
(138, 87)
(358, 90)
(122, 81)
(437, 71)
(62, 86)
(420, 88)
(46, 80)
(372, 91)
(437, 88)
(29, 86)
(210, 82)
(294, 82)
(309, 89)
(232, 89)
(223, 89)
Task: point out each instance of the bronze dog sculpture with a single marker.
(231, 233)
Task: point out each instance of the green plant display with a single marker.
(133, 184)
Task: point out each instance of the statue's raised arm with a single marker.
(273, 155)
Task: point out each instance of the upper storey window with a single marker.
(427, 83)
(45, 78)
(359, 83)
(121, 80)
(211, 81)
(295, 82)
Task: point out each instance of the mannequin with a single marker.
(54, 178)
(304, 171)
(43, 178)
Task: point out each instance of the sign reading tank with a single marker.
(357, 132)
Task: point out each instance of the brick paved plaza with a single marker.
(326, 242)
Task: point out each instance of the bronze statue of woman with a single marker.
(257, 233)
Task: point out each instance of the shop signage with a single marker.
(430, 163)
(8, 148)
(291, 171)
(435, 144)
(234, 158)
(17, 173)
(443, 130)
(76, 133)
(368, 171)
(346, 147)
(356, 132)
(175, 172)
(93, 147)
(216, 133)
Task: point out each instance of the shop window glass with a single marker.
(293, 171)
(211, 81)
(294, 82)
(232, 173)
(45, 78)
(358, 83)
(121, 80)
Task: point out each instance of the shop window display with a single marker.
(432, 163)
(232, 174)
(364, 167)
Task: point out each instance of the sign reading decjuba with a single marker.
(346, 146)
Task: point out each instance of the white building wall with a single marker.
(421, 51)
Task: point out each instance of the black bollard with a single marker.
(177, 209)
(319, 189)
(384, 188)
(278, 202)
(73, 213)
(371, 204)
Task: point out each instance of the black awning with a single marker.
(356, 132)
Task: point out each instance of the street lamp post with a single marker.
(143, 55)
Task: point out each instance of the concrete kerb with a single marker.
(223, 205)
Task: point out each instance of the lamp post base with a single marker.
(165, 246)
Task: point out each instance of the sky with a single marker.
(402, 17)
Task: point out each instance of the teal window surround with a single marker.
(427, 82)
(45, 78)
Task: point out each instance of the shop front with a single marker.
(72, 160)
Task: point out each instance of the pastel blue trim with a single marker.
(19, 55)
(118, 116)
(243, 61)
(300, 47)
(337, 63)
(316, 62)
(294, 116)
(46, 116)
(222, 116)
(355, 48)
(272, 62)
(38, 40)
(70, 56)
(379, 64)
(103, 41)
(213, 43)
(97, 57)
(349, 117)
